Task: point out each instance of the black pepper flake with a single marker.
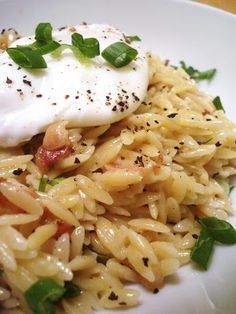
(83, 144)
(124, 91)
(181, 143)
(157, 122)
(122, 109)
(18, 68)
(76, 97)
(3, 31)
(67, 96)
(208, 119)
(122, 303)
(155, 291)
(61, 28)
(89, 91)
(17, 171)
(148, 124)
(165, 109)
(10, 65)
(8, 81)
(54, 104)
(114, 108)
(176, 147)
(135, 97)
(76, 161)
(98, 170)
(27, 82)
(195, 236)
(218, 144)
(19, 90)
(172, 115)
(39, 95)
(25, 76)
(113, 296)
(121, 103)
(122, 157)
(145, 261)
(139, 161)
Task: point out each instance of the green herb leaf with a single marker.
(88, 46)
(27, 58)
(196, 74)
(56, 181)
(220, 230)
(42, 296)
(43, 33)
(119, 54)
(42, 184)
(217, 103)
(129, 39)
(72, 290)
(203, 249)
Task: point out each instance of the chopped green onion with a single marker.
(231, 188)
(102, 258)
(27, 58)
(224, 184)
(203, 249)
(205, 142)
(43, 32)
(56, 181)
(42, 48)
(72, 290)
(196, 74)
(218, 104)
(42, 296)
(119, 54)
(42, 184)
(129, 39)
(220, 230)
(82, 58)
(88, 46)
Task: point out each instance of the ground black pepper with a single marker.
(113, 296)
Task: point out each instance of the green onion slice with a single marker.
(42, 296)
(27, 58)
(129, 39)
(119, 54)
(72, 290)
(102, 258)
(220, 230)
(196, 74)
(231, 188)
(42, 48)
(56, 181)
(218, 104)
(203, 249)
(42, 184)
(77, 53)
(88, 46)
(43, 32)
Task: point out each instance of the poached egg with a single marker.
(85, 96)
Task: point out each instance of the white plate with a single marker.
(177, 30)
